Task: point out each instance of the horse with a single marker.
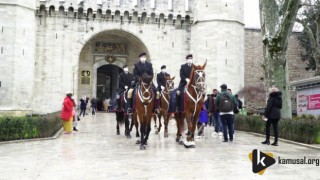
(194, 98)
(123, 118)
(164, 105)
(144, 106)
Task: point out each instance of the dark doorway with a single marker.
(107, 81)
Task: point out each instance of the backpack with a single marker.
(225, 103)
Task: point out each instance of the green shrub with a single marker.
(305, 129)
(15, 128)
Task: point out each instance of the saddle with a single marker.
(173, 103)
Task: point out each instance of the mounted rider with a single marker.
(141, 67)
(125, 80)
(185, 72)
(161, 78)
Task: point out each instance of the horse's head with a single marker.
(146, 79)
(198, 77)
(169, 83)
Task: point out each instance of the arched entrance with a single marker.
(101, 61)
(107, 81)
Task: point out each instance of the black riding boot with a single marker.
(129, 101)
(178, 103)
(118, 104)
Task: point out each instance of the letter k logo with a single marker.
(261, 161)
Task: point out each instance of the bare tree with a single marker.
(277, 19)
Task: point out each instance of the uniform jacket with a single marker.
(140, 68)
(67, 109)
(161, 80)
(185, 72)
(274, 105)
(125, 80)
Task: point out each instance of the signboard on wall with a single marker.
(308, 101)
(85, 77)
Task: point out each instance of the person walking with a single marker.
(272, 113)
(216, 115)
(83, 106)
(75, 116)
(67, 114)
(225, 103)
(93, 105)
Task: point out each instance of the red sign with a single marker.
(313, 102)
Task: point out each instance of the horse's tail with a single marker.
(120, 117)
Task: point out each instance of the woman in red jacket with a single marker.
(66, 113)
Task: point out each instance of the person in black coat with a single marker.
(185, 72)
(161, 78)
(125, 80)
(272, 113)
(141, 67)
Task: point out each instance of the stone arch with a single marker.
(134, 17)
(153, 17)
(126, 16)
(161, 19)
(170, 19)
(89, 60)
(144, 17)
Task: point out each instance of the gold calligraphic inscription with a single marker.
(110, 48)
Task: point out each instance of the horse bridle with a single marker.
(169, 88)
(199, 88)
(143, 98)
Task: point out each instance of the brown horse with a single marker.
(194, 97)
(144, 108)
(164, 105)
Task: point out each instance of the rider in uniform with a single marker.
(125, 79)
(185, 72)
(141, 67)
(161, 78)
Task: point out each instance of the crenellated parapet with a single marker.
(144, 11)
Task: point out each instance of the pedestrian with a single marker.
(272, 113)
(75, 116)
(203, 121)
(208, 103)
(83, 106)
(225, 103)
(66, 114)
(93, 105)
(216, 115)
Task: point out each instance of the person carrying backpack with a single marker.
(225, 103)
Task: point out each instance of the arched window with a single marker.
(135, 17)
(108, 15)
(89, 14)
(70, 12)
(80, 13)
(153, 17)
(144, 17)
(51, 11)
(117, 16)
(126, 16)
(43, 10)
(61, 11)
(99, 13)
(170, 19)
(161, 18)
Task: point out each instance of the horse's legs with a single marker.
(180, 124)
(166, 117)
(155, 120)
(118, 128)
(127, 126)
(190, 132)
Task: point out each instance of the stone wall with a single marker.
(254, 73)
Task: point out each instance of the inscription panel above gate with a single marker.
(110, 48)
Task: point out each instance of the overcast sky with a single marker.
(251, 14)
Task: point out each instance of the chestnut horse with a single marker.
(164, 105)
(144, 108)
(193, 100)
